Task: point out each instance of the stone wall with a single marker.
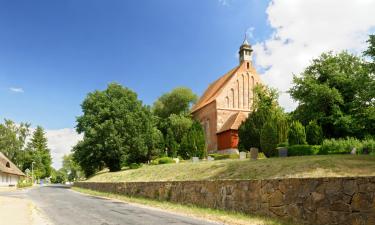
(340, 201)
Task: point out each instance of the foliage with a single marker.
(269, 139)
(217, 156)
(162, 160)
(265, 109)
(58, 176)
(13, 140)
(193, 143)
(116, 128)
(337, 91)
(22, 183)
(134, 166)
(37, 151)
(314, 133)
(177, 102)
(340, 146)
(72, 170)
(296, 135)
(300, 150)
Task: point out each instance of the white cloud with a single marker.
(60, 142)
(16, 90)
(305, 29)
(224, 2)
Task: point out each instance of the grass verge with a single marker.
(215, 215)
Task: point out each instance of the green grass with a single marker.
(221, 216)
(299, 166)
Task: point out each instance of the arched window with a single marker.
(238, 94)
(227, 101)
(7, 165)
(232, 97)
(243, 92)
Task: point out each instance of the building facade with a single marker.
(226, 103)
(9, 173)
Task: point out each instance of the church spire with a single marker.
(245, 51)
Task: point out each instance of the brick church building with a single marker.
(227, 103)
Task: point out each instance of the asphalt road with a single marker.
(66, 207)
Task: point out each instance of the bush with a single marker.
(299, 150)
(314, 133)
(296, 134)
(22, 183)
(269, 139)
(224, 156)
(135, 166)
(340, 146)
(163, 160)
(261, 155)
(369, 144)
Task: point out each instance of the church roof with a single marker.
(11, 168)
(234, 122)
(214, 90)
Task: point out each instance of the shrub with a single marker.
(135, 166)
(369, 144)
(340, 146)
(261, 155)
(314, 133)
(296, 134)
(22, 183)
(284, 144)
(299, 150)
(162, 160)
(224, 156)
(269, 139)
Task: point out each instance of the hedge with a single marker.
(299, 150)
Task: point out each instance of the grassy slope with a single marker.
(305, 166)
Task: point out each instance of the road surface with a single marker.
(66, 207)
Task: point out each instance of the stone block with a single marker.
(242, 155)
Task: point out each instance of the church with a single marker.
(226, 103)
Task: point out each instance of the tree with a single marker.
(177, 102)
(265, 109)
(269, 138)
(70, 168)
(297, 135)
(115, 125)
(314, 133)
(37, 151)
(13, 141)
(193, 143)
(337, 91)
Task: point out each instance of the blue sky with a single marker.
(52, 53)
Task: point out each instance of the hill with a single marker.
(303, 166)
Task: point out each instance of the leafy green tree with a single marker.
(314, 133)
(265, 109)
(269, 138)
(115, 125)
(13, 141)
(58, 176)
(37, 151)
(71, 169)
(193, 142)
(337, 91)
(296, 135)
(177, 102)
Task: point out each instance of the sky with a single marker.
(52, 53)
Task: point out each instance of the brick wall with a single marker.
(318, 201)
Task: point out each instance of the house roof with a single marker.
(6, 166)
(213, 90)
(234, 122)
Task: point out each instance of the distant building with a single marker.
(227, 103)
(9, 173)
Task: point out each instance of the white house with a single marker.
(9, 173)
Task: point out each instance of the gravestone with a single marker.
(176, 160)
(242, 155)
(195, 159)
(283, 152)
(353, 151)
(210, 158)
(254, 153)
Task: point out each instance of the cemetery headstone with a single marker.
(195, 159)
(283, 152)
(242, 155)
(254, 153)
(353, 151)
